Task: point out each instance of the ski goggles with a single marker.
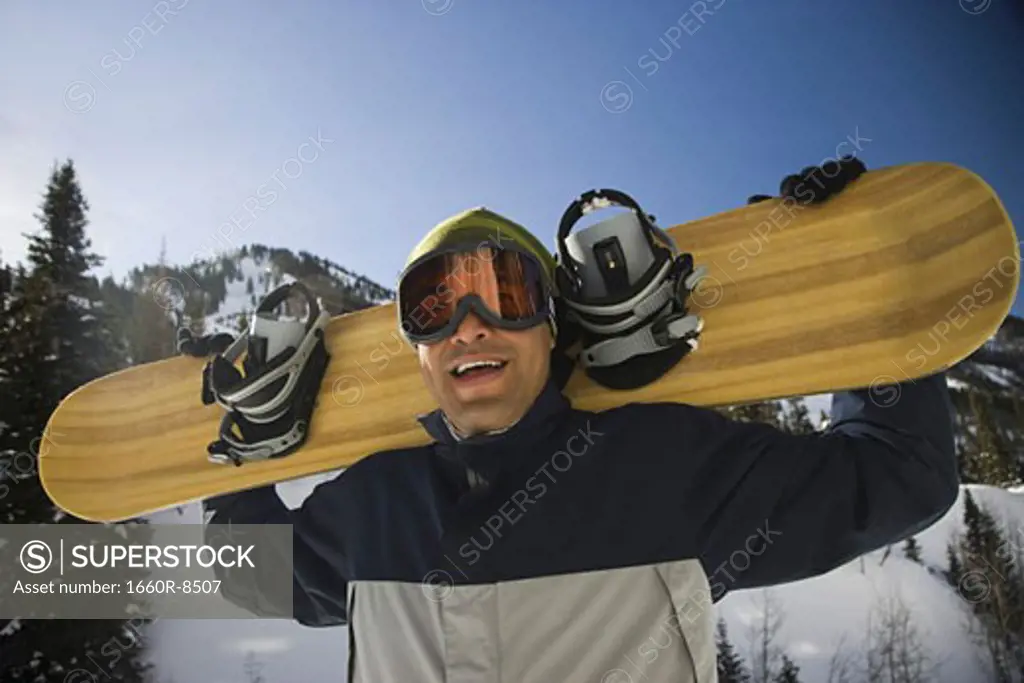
(504, 286)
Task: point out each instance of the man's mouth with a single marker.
(477, 369)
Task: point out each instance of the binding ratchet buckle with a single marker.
(270, 403)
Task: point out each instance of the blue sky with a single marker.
(181, 113)
(427, 107)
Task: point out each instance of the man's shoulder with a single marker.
(655, 421)
(638, 409)
(390, 463)
(634, 419)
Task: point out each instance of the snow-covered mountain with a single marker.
(223, 292)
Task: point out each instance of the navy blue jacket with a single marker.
(568, 491)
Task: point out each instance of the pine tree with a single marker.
(152, 332)
(768, 412)
(987, 457)
(21, 355)
(54, 337)
(765, 412)
(195, 305)
(6, 285)
(912, 550)
(730, 664)
(981, 535)
(798, 419)
(954, 570)
(788, 673)
(145, 311)
(996, 598)
(73, 322)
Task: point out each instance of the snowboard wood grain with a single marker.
(907, 272)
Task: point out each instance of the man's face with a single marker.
(487, 398)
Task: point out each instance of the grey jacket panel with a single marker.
(651, 623)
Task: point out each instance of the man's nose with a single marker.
(470, 330)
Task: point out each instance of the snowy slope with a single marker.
(237, 301)
(819, 612)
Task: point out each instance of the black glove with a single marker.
(816, 184)
(200, 347)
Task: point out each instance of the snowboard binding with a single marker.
(270, 406)
(625, 286)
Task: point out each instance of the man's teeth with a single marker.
(466, 367)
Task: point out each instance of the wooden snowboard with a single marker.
(906, 272)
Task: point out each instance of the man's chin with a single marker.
(469, 393)
(482, 414)
(483, 423)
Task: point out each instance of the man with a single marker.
(535, 542)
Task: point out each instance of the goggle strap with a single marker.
(472, 302)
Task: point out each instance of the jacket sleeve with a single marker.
(762, 506)
(317, 563)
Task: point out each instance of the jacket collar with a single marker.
(474, 463)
